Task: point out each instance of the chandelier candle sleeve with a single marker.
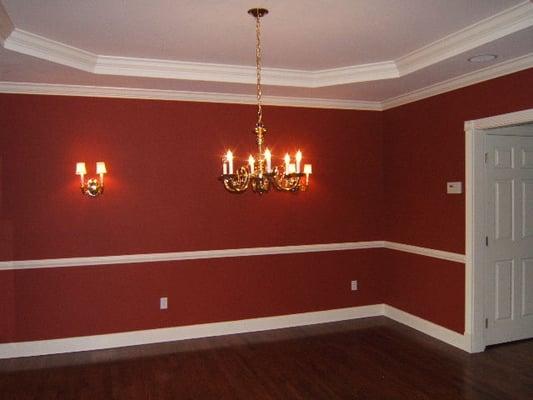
(260, 174)
(268, 158)
(292, 168)
(229, 159)
(251, 161)
(287, 162)
(298, 160)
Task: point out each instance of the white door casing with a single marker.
(509, 225)
(475, 193)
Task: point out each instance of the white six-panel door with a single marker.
(509, 224)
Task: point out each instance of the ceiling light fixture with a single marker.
(259, 171)
(483, 58)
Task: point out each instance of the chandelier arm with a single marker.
(286, 183)
(238, 182)
(259, 174)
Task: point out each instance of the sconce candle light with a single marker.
(92, 187)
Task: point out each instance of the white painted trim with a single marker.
(41, 47)
(485, 31)
(497, 26)
(492, 72)
(424, 251)
(471, 78)
(225, 253)
(353, 74)
(475, 132)
(186, 255)
(429, 328)
(128, 66)
(499, 121)
(134, 338)
(174, 95)
(38, 46)
(6, 25)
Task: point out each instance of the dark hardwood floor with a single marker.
(373, 358)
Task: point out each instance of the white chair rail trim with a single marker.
(243, 252)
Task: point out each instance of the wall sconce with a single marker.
(92, 187)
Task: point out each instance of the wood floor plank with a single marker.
(372, 358)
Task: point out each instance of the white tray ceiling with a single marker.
(347, 51)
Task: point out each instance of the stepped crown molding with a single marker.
(494, 71)
(497, 26)
(471, 78)
(6, 26)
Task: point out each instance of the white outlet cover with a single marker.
(354, 285)
(163, 303)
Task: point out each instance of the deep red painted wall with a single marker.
(162, 195)
(423, 148)
(63, 302)
(162, 191)
(427, 287)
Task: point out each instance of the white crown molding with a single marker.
(495, 27)
(175, 95)
(135, 338)
(225, 253)
(160, 335)
(353, 74)
(424, 251)
(6, 25)
(139, 67)
(502, 24)
(491, 72)
(471, 78)
(38, 46)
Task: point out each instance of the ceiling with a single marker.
(325, 53)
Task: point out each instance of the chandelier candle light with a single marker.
(259, 172)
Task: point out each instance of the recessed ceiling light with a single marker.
(483, 58)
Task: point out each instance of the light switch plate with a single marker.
(454, 187)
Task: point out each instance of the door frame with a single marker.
(475, 134)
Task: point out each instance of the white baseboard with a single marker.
(122, 339)
(429, 328)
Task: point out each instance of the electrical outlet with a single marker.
(354, 285)
(163, 303)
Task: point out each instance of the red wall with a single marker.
(423, 148)
(162, 195)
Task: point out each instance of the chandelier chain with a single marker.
(258, 69)
(260, 174)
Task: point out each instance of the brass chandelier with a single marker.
(259, 173)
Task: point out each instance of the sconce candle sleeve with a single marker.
(92, 187)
